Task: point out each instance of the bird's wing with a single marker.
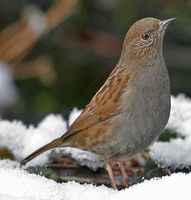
(104, 105)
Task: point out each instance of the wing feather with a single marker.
(104, 105)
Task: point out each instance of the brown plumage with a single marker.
(131, 108)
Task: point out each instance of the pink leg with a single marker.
(123, 173)
(111, 176)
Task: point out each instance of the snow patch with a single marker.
(176, 152)
(17, 184)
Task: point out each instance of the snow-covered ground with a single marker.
(177, 152)
(17, 184)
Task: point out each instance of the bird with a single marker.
(131, 109)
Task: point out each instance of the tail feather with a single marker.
(55, 143)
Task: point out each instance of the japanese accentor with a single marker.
(132, 107)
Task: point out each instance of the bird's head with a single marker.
(145, 38)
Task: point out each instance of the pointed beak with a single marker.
(164, 23)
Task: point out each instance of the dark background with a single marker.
(85, 47)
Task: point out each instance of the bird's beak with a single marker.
(164, 23)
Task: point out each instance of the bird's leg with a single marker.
(111, 176)
(123, 173)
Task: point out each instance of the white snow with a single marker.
(180, 116)
(73, 115)
(9, 94)
(177, 152)
(17, 184)
(22, 140)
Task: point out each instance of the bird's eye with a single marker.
(145, 36)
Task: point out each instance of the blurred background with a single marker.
(55, 54)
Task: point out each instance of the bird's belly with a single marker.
(138, 126)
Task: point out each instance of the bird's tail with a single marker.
(55, 143)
